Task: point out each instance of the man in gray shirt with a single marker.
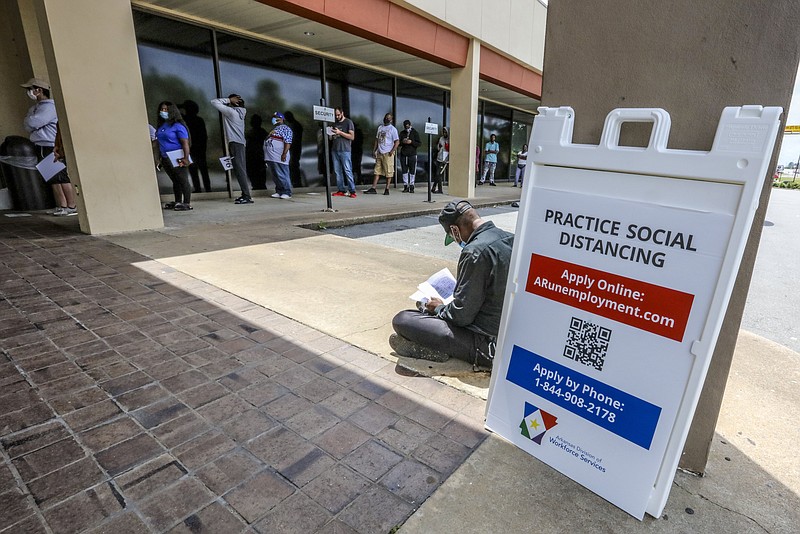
(342, 133)
(466, 328)
(233, 113)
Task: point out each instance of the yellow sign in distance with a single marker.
(792, 129)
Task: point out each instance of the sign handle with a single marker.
(614, 121)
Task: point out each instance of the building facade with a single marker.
(472, 65)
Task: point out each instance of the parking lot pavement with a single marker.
(136, 398)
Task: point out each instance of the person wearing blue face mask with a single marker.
(467, 327)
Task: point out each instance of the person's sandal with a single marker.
(169, 206)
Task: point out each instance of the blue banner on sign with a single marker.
(623, 414)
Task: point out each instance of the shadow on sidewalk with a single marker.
(148, 400)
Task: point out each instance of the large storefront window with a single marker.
(178, 65)
(417, 103)
(497, 121)
(365, 97)
(274, 79)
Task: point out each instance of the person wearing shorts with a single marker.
(384, 149)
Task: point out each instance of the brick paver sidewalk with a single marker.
(137, 399)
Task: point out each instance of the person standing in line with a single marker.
(233, 113)
(384, 149)
(41, 123)
(343, 133)
(490, 160)
(297, 148)
(442, 161)
(409, 141)
(522, 161)
(199, 145)
(172, 134)
(277, 157)
(467, 328)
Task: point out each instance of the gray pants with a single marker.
(441, 336)
(240, 167)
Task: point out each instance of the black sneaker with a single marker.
(409, 349)
(386, 192)
(405, 189)
(410, 188)
(370, 191)
(243, 200)
(493, 184)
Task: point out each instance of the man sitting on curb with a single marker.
(466, 328)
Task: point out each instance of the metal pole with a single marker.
(327, 158)
(430, 164)
(218, 86)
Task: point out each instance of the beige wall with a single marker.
(513, 27)
(16, 66)
(692, 59)
(97, 85)
(463, 133)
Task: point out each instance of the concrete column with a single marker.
(21, 58)
(93, 66)
(463, 123)
(692, 59)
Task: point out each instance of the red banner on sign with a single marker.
(656, 309)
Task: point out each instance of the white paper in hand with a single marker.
(440, 285)
(175, 155)
(49, 168)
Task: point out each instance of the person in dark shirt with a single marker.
(467, 327)
(254, 153)
(409, 141)
(296, 149)
(199, 144)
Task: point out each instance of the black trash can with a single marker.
(27, 188)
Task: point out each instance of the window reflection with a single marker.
(177, 62)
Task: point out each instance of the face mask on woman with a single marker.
(163, 114)
(31, 94)
(274, 121)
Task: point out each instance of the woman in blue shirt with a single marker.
(172, 134)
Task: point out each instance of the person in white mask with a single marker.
(41, 123)
(467, 327)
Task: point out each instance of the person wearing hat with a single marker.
(41, 122)
(466, 328)
(277, 156)
(233, 113)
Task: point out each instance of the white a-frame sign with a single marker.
(623, 265)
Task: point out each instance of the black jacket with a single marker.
(409, 150)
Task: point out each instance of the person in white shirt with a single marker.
(384, 149)
(522, 161)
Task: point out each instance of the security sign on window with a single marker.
(623, 263)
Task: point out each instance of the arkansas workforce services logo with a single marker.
(535, 423)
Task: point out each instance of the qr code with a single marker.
(587, 343)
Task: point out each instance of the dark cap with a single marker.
(279, 115)
(450, 214)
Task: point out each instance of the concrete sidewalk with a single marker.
(314, 301)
